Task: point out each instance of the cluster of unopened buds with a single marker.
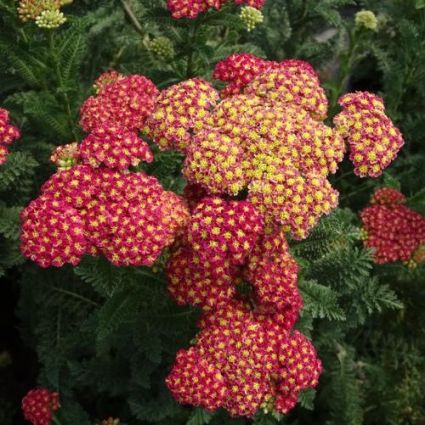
(8, 134)
(45, 13)
(393, 230)
(257, 160)
(192, 8)
(39, 406)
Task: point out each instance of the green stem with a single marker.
(347, 62)
(132, 17)
(343, 175)
(78, 296)
(67, 104)
(190, 56)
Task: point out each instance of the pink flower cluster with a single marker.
(84, 210)
(121, 101)
(394, 231)
(8, 134)
(192, 8)
(242, 362)
(39, 405)
(373, 139)
(245, 357)
(114, 147)
(125, 216)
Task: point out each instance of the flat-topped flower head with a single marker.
(392, 230)
(296, 202)
(300, 367)
(29, 10)
(192, 8)
(114, 147)
(127, 217)
(273, 273)
(108, 77)
(215, 162)
(373, 139)
(195, 381)
(52, 233)
(291, 84)
(194, 281)
(39, 405)
(179, 110)
(239, 69)
(387, 196)
(8, 134)
(256, 360)
(222, 229)
(125, 103)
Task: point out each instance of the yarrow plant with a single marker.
(393, 230)
(257, 157)
(8, 134)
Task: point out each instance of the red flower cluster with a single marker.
(373, 139)
(108, 77)
(222, 230)
(114, 147)
(245, 357)
(179, 110)
(269, 141)
(125, 216)
(220, 236)
(8, 134)
(273, 274)
(393, 230)
(239, 69)
(242, 361)
(39, 405)
(387, 196)
(125, 102)
(192, 8)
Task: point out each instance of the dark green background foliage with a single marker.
(104, 336)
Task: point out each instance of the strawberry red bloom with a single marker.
(373, 139)
(256, 360)
(128, 217)
(125, 103)
(106, 78)
(195, 281)
(224, 229)
(192, 8)
(196, 381)
(387, 196)
(8, 134)
(114, 147)
(39, 405)
(394, 231)
(52, 232)
(273, 274)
